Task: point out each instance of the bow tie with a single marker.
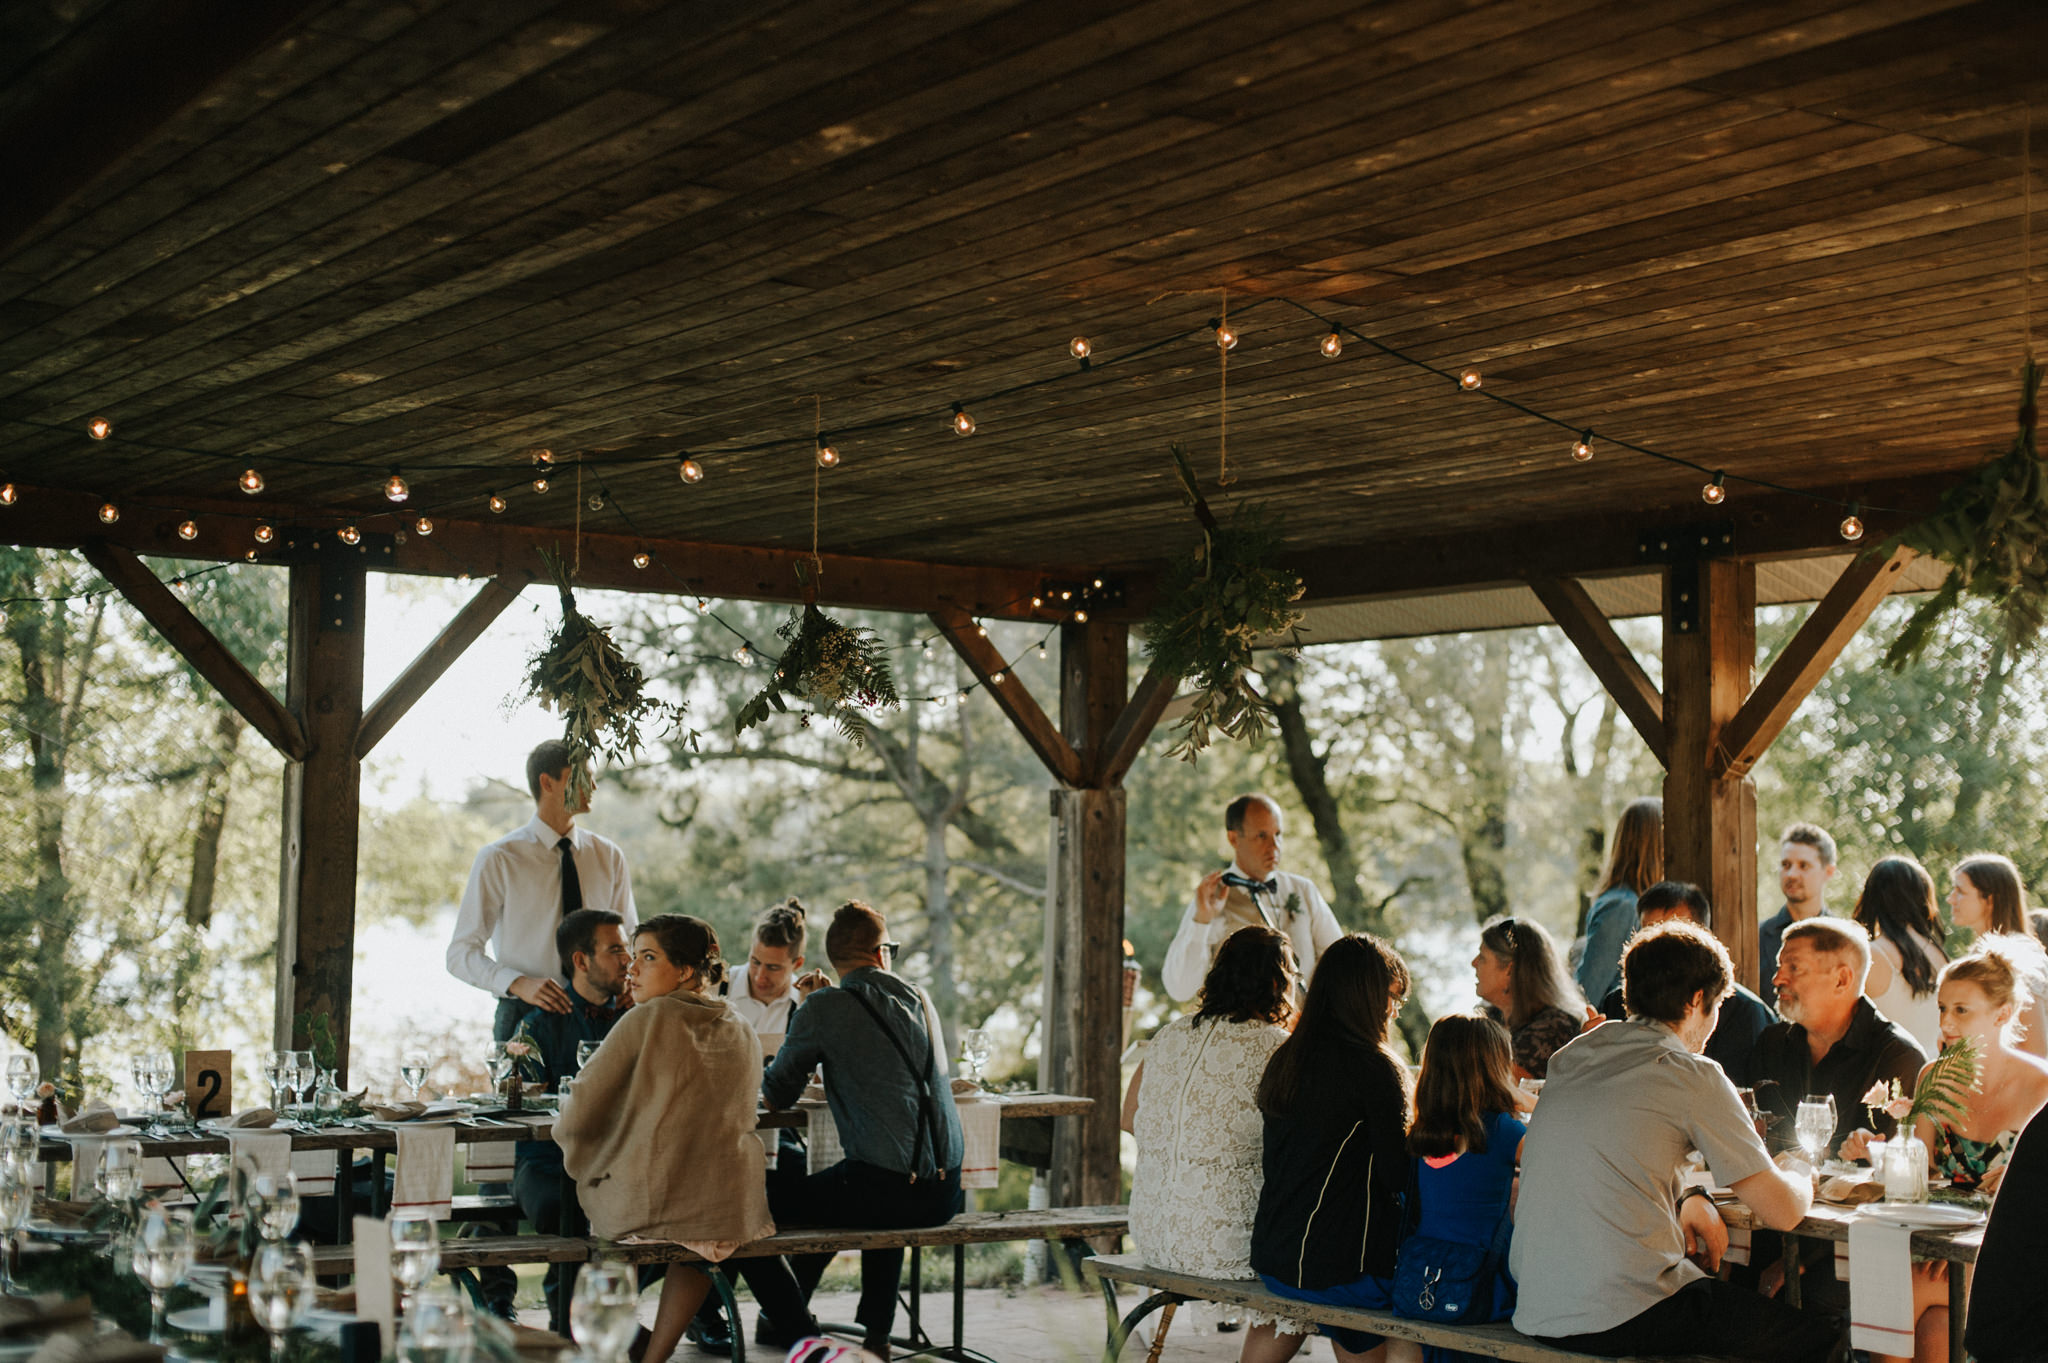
(1250, 886)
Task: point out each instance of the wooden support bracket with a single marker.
(437, 657)
(1805, 660)
(1010, 695)
(1127, 736)
(1573, 609)
(237, 685)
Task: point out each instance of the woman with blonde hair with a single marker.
(1988, 897)
(1897, 909)
(1635, 862)
(1518, 973)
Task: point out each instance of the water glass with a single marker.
(279, 1072)
(304, 1072)
(436, 1328)
(1815, 1127)
(274, 1202)
(21, 1140)
(975, 1048)
(584, 1050)
(282, 1288)
(119, 1178)
(604, 1310)
(415, 1252)
(497, 1062)
(161, 1256)
(17, 1195)
(413, 1068)
(23, 1074)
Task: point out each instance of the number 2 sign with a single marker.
(209, 1083)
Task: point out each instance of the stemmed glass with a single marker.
(604, 1311)
(497, 1062)
(17, 1194)
(975, 1048)
(413, 1068)
(584, 1050)
(282, 1289)
(161, 1257)
(151, 1073)
(274, 1202)
(1815, 1126)
(23, 1074)
(436, 1328)
(280, 1070)
(304, 1072)
(21, 1141)
(415, 1252)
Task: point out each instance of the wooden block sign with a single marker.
(210, 1083)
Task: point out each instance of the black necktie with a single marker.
(1250, 886)
(572, 888)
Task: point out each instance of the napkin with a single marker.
(1850, 1191)
(425, 1178)
(491, 1161)
(822, 1138)
(95, 1118)
(397, 1111)
(265, 1152)
(1880, 1286)
(962, 1087)
(313, 1171)
(26, 1315)
(980, 1121)
(253, 1118)
(109, 1348)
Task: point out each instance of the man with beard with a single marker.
(1806, 863)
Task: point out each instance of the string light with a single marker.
(395, 488)
(350, 535)
(963, 424)
(1041, 650)
(1713, 494)
(641, 560)
(7, 494)
(109, 513)
(927, 651)
(1226, 336)
(188, 530)
(960, 699)
(595, 501)
(980, 629)
(540, 485)
(1079, 348)
(1852, 524)
(543, 461)
(1080, 617)
(99, 428)
(702, 605)
(251, 556)
(1333, 344)
(828, 456)
(995, 678)
(264, 534)
(744, 655)
(1468, 379)
(1582, 448)
(251, 481)
(1036, 603)
(424, 526)
(497, 504)
(690, 471)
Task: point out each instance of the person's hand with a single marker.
(1706, 1234)
(1594, 1017)
(810, 982)
(1209, 895)
(541, 993)
(1992, 1178)
(1856, 1145)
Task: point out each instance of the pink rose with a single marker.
(1877, 1094)
(1898, 1108)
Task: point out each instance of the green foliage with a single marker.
(1214, 603)
(1992, 531)
(1943, 1094)
(319, 1030)
(841, 670)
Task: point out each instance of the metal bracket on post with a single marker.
(336, 560)
(1682, 549)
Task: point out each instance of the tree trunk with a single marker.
(1483, 840)
(213, 817)
(938, 918)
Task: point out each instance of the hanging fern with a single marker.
(1992, 531)
(1943, 1093)
(840, 670)
(1214, 602)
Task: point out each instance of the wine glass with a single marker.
(304, 1072)
(584, 1050)
(436, 1328)
(21, 1141)
(119, 1177)
(604, 1311)
(415, 1252)
(975, 1048)
(161, 1256)
(282, 1288)
(413, 1068)
(17, 1195)
(274, 1202)
(279, 1071)
(498, 1062)
(1815, 1126)
(23, 1074)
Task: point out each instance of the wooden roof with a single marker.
(1780, 239)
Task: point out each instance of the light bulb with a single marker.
(264, 534)
(188, 530)
(1041, 650)
(1226, 336)
(7, 494)
(251, 556)
(703, 605)
(543, 460)
(540, 485)
(1468, 379)
(641, 560)
(927, 652)
(963, 424)
(1036, 602)
(995, 678)
(595, 501)
(981, 629)
(690, 471)
(828, 456)
(395, 488)
(1333, 345)
(109, 513)
(743, 655)
(99, 428)
(1713, 494)
(496, 503)
(1582, 448)
(252, 481)
(1852, 526)
(350, 535)
(961, 698)
(1079, 348)
(1080, 617)
(424, 526)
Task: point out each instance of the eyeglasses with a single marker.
(891, 950)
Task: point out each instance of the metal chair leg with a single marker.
(1120, 1331)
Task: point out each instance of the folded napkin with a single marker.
(822, 1137)
(251, 1119)
(1850, 1191)
(313, 1171)
(265, 1152)
(85, 1348)
(49, 1311)
(966, 1086)
(491, 1161)
(1880, 1286)
(95, 1118)
(980, 1122)
(425, 1178)
(398, 1110)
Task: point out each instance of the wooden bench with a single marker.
(1169, 1290)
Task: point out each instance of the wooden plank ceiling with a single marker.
(1777, 238)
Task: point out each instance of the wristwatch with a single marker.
(1694, 1191)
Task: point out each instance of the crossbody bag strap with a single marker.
(926, 1121)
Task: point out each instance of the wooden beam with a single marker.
(1806, 659)
(1127, 736)
(1612, 662)
(471, 621)
(237, 685)
(1010, 694)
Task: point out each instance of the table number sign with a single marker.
(209, 1083)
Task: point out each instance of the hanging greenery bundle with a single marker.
(838, 669)
(1214, 602)
(1992, 531)
(600, 693)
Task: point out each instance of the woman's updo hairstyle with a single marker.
(689, 943)
(783, 926)
(2000, 967)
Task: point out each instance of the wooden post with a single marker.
(1709, 821)
(316, 908)
(1084, 924)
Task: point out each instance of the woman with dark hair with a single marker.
(1634, 864)
(1518, 974)
(1467, 1139)
(1335, 1103)
(659, 1134)
(1197, 1122)
(1897, 909)
(1988, 897)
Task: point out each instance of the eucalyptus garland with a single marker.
(1214, 602)
(600, 692)
(840, 670)
(1992, 531)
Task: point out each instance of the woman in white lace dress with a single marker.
(1200, 1136)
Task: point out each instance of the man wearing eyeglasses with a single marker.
(890, 1099)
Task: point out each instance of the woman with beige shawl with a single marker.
(659, 1134)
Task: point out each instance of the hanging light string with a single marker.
(94, 593)
(1225, 339)
(2027, 230)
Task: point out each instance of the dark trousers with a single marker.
(861, 1196)
(1709, 1316)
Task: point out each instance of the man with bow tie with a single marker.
(1252, 892)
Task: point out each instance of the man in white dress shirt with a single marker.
(520, 887)
(763, 994)
(1251, 891)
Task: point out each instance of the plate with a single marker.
(58, 1133)
(64, 1235)
(417, 1123)
(1923, 1215)
(193, 1320)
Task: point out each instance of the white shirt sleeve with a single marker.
(622, 888)
(1187, 959)
(483, 904)
(1324, 928)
